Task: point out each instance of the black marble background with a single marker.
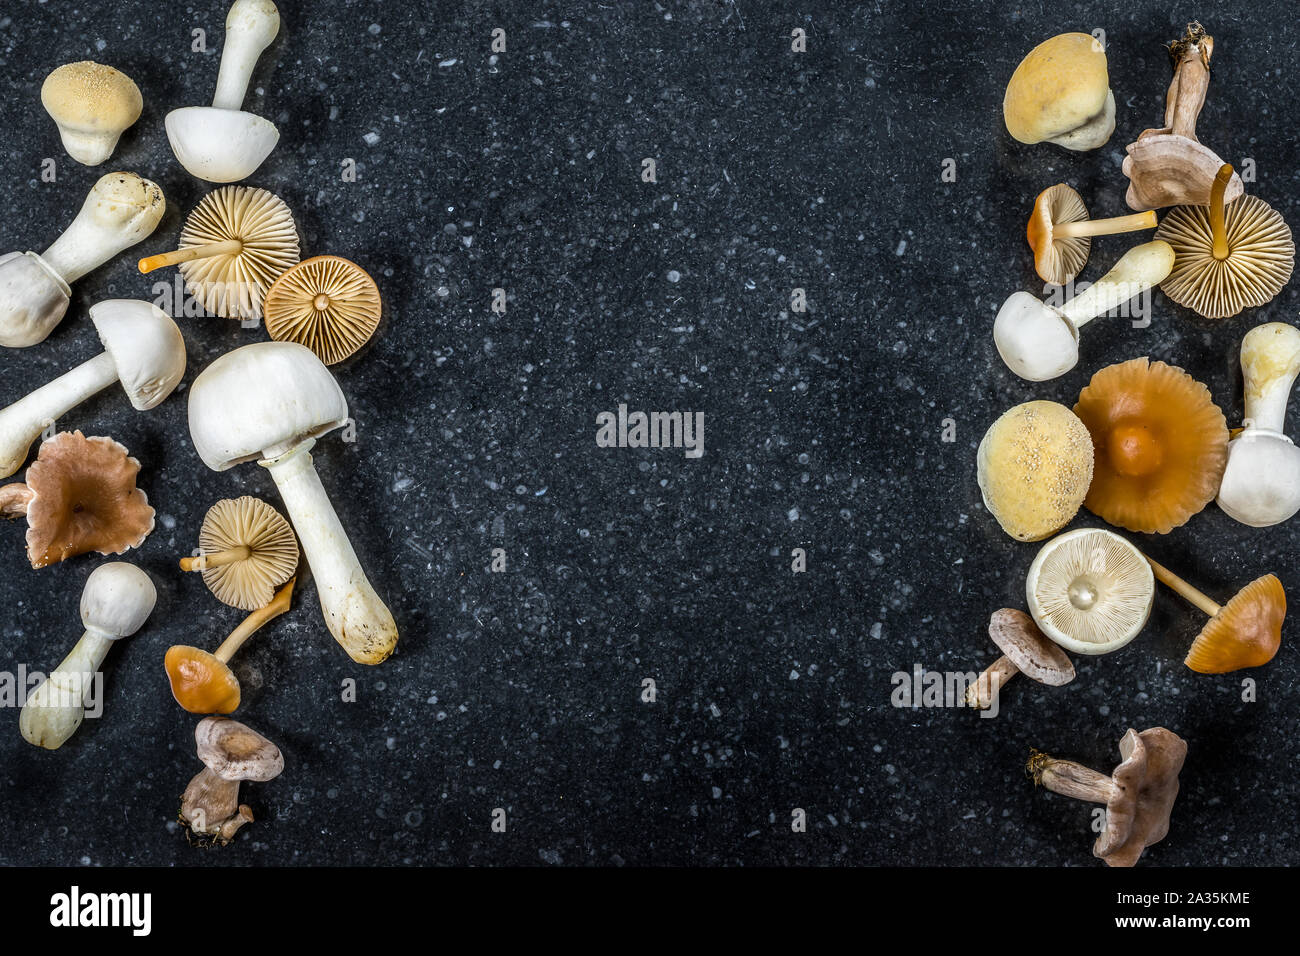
(521, 690)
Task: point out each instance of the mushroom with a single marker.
(1169, 166)
(1024, 651)
(1139, 795)
(116, 601)
(1061, 93)
(143, 350)
(91, 104)
(1245, 632)
(269, 402)
(326, 303)
(1161, 445)
(1090, 591)
(1261, 485)
(1040, 342)
(120, 210)
(235, 243)
(231, 752)
(80, 496)
(1228, 258)
(222, 143)
(203, 683)
(247, 550)
(1060, 232)
(1034, 466)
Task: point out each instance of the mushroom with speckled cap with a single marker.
(1025, 650)
(1060, 93)
(92, 104)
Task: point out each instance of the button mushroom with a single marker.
(121, 210)
(269, 402)
(1060, 232)
(223, 143)
(247, 550)
(91, 104)
(1261, 485)
(143, 350)
(1039, 342)
(118, 598)
(1060, 93)
(231, 752)
(1025, 650)
(1139, 795)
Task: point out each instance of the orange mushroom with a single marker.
(1060, 232)
(1160, 445)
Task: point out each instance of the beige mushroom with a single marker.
(1060, 232)
(326, 303)
(91, 104)
(247, 549)
(1025, 650)
(231, 753)
(1060, 93)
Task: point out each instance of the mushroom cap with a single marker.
(234, 285)
(1261, 256)
(92, 104)
(1034, 468)
(273, 551)
(234, 751)
(1016, 635)
(260, 401)
(220, 146)
(326, 303)
(117, 599)
(1036, 341)
(147, 347)
(84, 499)
(1161, 445)
(1246, 632)
(201, 682)
(1062, 85)
(33, 299)
(1057, 259)
(1165, 169)
(1090, 591)
(1146, 786)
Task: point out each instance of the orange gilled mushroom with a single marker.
(1060, 232)
(326, 303)
(1160, 445)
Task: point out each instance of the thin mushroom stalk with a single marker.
(1070, 779)
(229, 247)
(1113, 226)
(221, 559)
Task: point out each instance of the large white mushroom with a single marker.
(269, 402)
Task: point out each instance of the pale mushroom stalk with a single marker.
(1134, 274)
(251, 25)
(23, 421)
(228, 248)
(1106, 227)
(220, 559)
(1071, 779)
(1181, 587)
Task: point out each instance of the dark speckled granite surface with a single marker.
(475, 430)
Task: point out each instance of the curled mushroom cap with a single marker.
(1060, 93)
(1161, 445)
(1034, 468)
(248, 550)
(1060, 232)
(92, 104)
(326, 303)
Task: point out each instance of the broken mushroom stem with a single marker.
(1087, 228)
(1070, 779)
(989, 684)
(218, 559)
(255, 622)
(1191, 83)
(1177, 584)
(229, 247)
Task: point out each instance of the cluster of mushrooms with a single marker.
(1144, 448)
(268, 402)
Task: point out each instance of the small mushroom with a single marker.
(203, 683)
(1261, 485)
(1039, 342)
(80, 496)
(1169, 166)
(234, 245)
(1139, 795)
(231, 753)
(91, 104)
(223, 143)
(1245, 632)
(143, 350)
(1090, 591)
(247, 550)
(1060, 93)
(120, 210)
(1025, 650)
(328, 304)
(116, 601)
(269, 402)
(1227, 258)
(1060, 232)
(1034, 466)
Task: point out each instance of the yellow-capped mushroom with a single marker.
(92, 104)
(1060, 93)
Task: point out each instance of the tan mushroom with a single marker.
(247, 550)
(91, 104)
(1060, 232)
(326, 303)
(1060, 93)
(1025, 650)
(231, 752)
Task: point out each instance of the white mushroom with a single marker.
(118, 598)
(143, 349)
(1261, 485)
(222, 143)
(1039, 342)
(269, 402)
(121, 210)
(91, 104)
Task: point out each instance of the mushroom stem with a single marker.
(209, 802)
(251, 25)
(1270, 364)
(1137, 271)
(217, 559)
(984, 691)
(255, 622)
(1070, 779)
(228, 248)
(1106, 227)
(23, 421)
(1217, 226)
(1171, 580)
(1191, 82)
(55, 710)
(120, 210)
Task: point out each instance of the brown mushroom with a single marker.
(326, 303)
(1025, 650)
(80, 496)
(246, 550)
(1139, 795)
(231, 752)
(1060, 232)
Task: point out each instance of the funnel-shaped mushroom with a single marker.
(1060, 93)
(326, 303)
(118, 598)
(1039, 342)
(247, 551)
(231, 752)
(121, 210)
(91, 104)
(1025, 650)
(1060, 232)
(80, 496)
(222, 143)
(1139, 795)
(271, 401)
(143, 350)
(1261, 485)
